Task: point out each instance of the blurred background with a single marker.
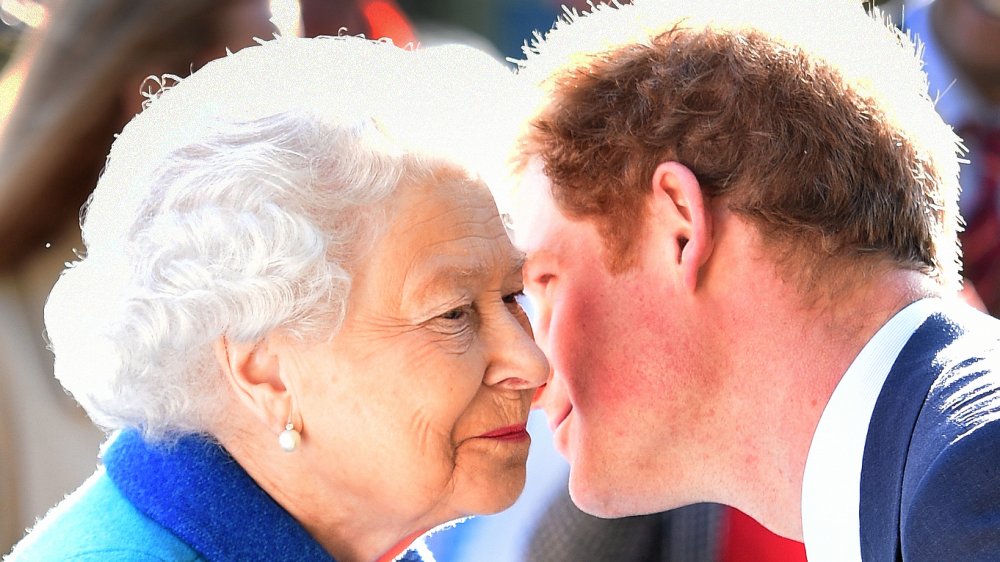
(74, 72)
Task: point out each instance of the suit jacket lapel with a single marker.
(889, 436)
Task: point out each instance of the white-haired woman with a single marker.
(297, 313)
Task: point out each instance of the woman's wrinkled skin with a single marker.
(434, 353)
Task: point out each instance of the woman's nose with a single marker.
(518, 361)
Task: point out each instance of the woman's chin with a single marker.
(498, 495)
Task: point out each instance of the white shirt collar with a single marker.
(831, 485)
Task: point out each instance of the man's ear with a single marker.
(677, 194)
(253, 372)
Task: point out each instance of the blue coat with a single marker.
(930, 478)
(97, 523)
(185, 502)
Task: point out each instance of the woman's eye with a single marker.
(456, 314)
(518, 302)
(459, 322)
(514, 298)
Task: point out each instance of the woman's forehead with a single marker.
(444, 232)
(447, 273)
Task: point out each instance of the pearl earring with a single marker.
(289, 439)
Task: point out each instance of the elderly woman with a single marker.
(297, 313)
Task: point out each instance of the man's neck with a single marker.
(788, 367)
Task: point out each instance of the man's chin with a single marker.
(605, 497)
(599, 500)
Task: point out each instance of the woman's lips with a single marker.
(514, 432)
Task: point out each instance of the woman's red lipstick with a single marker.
(510, 433)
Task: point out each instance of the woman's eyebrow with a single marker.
(441, 272)
(518, 259)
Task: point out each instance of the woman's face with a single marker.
(416, 408)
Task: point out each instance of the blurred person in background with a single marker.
(68, 89)
(78, 80)
(374, 19)
(961, 52)
(298, 312)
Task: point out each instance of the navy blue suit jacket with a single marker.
(930, 478)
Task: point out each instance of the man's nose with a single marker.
(539, 396)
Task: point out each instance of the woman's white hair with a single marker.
(237, 203)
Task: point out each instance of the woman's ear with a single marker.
(680, 204)
(253, 372)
